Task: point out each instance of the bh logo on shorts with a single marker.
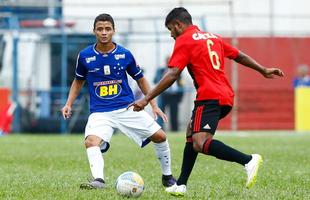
(108, 89)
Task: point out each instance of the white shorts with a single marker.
(136, 125)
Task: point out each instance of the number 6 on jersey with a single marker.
(215, 61)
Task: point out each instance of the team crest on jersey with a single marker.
(119, 56)
(90, 59)
(108, 89)
(106, 70)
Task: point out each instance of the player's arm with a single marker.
(168, 79)
(75, 89)
(247, 61)
(145, 88)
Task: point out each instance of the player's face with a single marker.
(175, 30)
(104, 32)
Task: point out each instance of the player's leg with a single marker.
(97, 137)
(204, 143)
(222, 151)
(205, 120)
(96, 162)
(253, 165)
(203, 140)
(142, 128)
(189, 158)
(163, 154)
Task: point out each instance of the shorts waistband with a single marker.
(204, 102)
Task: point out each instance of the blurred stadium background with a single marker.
(40, 40)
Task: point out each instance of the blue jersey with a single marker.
(106, 76)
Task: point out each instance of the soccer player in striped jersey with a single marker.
(105, 66)
(203, 53)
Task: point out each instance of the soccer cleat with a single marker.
(168, 180)
(176, 190)
(252, 168)
(97, 183)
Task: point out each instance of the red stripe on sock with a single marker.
(206, 145)
(189, 139)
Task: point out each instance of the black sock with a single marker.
(189, 158)
(221, 151)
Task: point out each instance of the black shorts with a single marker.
(206, 115)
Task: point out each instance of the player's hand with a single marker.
(157, 111)
(139, 105)
(66, 112)
(272, 72)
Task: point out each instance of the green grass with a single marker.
(53, 166)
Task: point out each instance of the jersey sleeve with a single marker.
(230, 51)
(180, 56)
(133, 69)
(80, 70)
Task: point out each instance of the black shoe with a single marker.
(168, 180)
(97, 183)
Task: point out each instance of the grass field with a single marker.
(53, 166)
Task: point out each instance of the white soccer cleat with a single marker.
(176, 190)
(252, 169)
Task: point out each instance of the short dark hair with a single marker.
(180, 14)
(104, 17)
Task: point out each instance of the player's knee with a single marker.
(158, 137)
(92, 141)
(89, 143)
(196, 146)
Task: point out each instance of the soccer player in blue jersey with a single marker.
(104, 66)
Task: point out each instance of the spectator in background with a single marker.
(303, 78)
(171, 98)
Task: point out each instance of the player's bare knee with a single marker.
(196, 146)
(158, 137)
(88, 143)
(92, 141)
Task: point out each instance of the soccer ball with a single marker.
(129, 184)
